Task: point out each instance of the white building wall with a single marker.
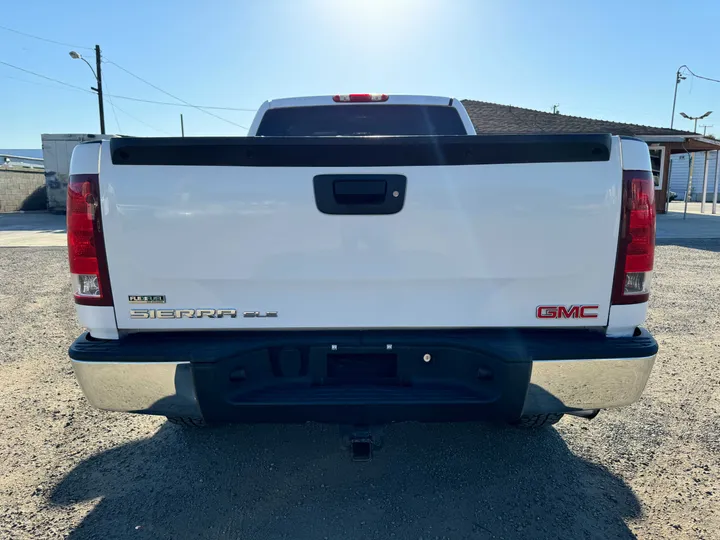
(679, 165)
(57, 149)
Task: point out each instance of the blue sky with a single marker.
(613, 60)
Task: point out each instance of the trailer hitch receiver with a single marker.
(361, 441)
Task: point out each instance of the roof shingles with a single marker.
(495, 118)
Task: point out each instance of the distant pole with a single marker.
(689, 183)
(182, 125)
(715, 188)
(705, 126)
(705, 180)
(99, 89)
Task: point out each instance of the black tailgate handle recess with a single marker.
(360, 191)
(359, 194)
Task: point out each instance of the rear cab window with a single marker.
(361, 120)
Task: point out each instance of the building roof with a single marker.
(496, 118)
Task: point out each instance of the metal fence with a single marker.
(10, 161)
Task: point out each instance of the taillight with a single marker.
(86, 246)
(358, 98)
(636, 245)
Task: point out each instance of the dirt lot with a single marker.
(650, 470)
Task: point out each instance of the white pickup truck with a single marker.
(362, 259)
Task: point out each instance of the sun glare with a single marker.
(369, 19)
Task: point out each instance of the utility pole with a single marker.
(99, 89)
(556, 109)
(678, 77)
(182, 125)
(97, 73)
(705, 126)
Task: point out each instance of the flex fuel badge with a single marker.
(147, 299)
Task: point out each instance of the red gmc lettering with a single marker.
(547, 312)
(584, 312)
(565, 313)
(570, 312)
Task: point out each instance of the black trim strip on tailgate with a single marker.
(506, 344)
(360, 151)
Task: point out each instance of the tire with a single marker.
(538, 420)
(187, 422)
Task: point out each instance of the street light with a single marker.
(696, 118)
(77, 56)
(678, 77)
(98, 79)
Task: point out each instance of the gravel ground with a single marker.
(650, 470)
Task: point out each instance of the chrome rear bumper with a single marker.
(567, 385)
(164, 388)
(168, 388)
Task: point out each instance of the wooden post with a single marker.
(715, 188)
(662, 205)
(705, 179)
(688, 190)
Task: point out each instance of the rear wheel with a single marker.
(186, 421)
(534, 421)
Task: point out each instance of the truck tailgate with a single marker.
(484, 230)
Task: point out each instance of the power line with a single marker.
(44, 84)
(45, 39)
(180, 104)
(700, 76)
(143, 122)
(113, 107)
(86, 91)
(174, 96)
(185, 104)
(45, 77)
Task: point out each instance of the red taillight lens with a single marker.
(636, 244)
(86, 246)
(359, 98)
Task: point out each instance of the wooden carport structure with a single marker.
(663, 142)
(664, 146)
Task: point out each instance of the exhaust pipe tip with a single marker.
(588, 414)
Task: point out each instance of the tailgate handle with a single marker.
(355, 194)
(359, 191)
